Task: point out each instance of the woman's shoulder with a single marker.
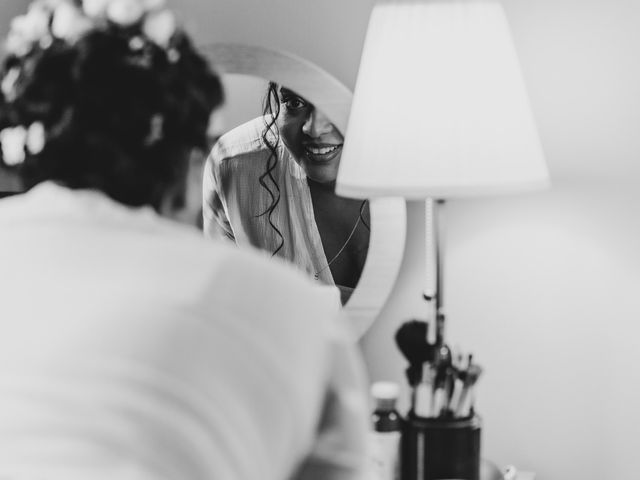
(244, 141)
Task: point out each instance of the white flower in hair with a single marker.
(13, 141)
(17, 45)
(159, 27)
(35, 138)
(27, 29)
(69, 22)
(125, 12)
(34, 24)
(45, 42)
(95, 8)
(136, 43)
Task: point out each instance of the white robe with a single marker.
(233, 199)
(133, 348)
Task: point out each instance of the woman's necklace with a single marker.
(344, 245)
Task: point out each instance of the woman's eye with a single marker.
(295, 103)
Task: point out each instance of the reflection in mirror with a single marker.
(269, 183)
(388, 215)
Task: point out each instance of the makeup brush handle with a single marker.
(439, 401)
(466, 403)
(464, 394)
(423, 400)
(456, 395)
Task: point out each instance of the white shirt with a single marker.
(233, 199)
(132, 348)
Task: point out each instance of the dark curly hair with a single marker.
(120, 113)
(271, 139)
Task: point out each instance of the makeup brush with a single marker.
(411, 339)
(466, 400)
(423, 398)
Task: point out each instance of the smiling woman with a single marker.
(269, 183)
(315, 143)
(331, 97)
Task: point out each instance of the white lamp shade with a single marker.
(440, 108)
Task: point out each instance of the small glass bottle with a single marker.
(387, 428)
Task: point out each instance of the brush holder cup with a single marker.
(440, 448)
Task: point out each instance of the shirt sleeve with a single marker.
(215, 220)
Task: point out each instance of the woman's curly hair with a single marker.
(271, 139)
(119, 111)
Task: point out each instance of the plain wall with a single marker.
(542, 287)
(329, 33)
(243, 101)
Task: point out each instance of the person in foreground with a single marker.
(270, 182)
(130, 346)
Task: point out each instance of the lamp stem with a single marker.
(439, 254)
(434, 267)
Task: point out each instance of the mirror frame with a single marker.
(388, 215)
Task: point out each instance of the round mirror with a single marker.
(374, 231)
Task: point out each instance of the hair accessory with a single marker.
(68, 20)
(86, 91)
(49, 21)
(136, 43)
(28, 29)
(45, 42)
(13, 140)
(159, 27)
(35, 139)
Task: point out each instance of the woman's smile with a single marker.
(322, 152)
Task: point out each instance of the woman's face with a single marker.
(314, 142)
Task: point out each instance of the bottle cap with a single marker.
(385, 394)
(385, 390)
